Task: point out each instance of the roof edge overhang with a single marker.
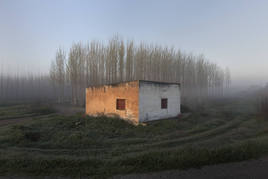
(146, 81)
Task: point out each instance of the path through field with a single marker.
(66, 142)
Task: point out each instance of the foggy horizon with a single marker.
(231, 34)
(133, 89)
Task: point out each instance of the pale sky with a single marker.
(232, 33)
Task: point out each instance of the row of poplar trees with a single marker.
(21, 87)
(98, 63)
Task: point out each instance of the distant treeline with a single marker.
(25, 88)
(97, 63)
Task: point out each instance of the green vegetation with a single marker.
(80, 145)
(21, 111)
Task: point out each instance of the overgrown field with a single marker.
(79, 145)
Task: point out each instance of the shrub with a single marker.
(21, 134)
(32, 136)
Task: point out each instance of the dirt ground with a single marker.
(241, 170)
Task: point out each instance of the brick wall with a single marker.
(102, 100)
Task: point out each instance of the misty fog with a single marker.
(117, 60)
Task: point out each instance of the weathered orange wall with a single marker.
(102, 100)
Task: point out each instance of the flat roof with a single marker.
(160, 82)
(147, 81)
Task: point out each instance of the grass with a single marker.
(80, 145)
(22, 111)
(150, 161)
